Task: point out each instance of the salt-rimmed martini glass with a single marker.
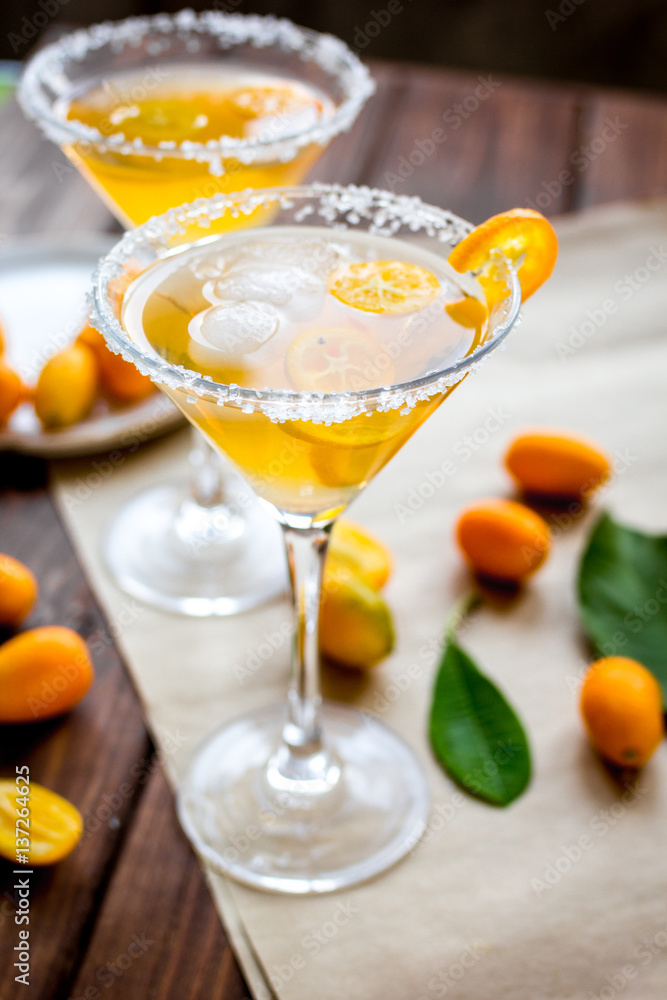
(154, 112)
(305, 797)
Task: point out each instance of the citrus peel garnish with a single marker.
(522, 235)
(468, 312)
(471, 314)
(384, 286)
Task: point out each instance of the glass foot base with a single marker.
(287, 842)
(165, 550)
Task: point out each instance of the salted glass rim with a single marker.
(340, 207)
(333, 56)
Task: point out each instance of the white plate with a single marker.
(43, 285)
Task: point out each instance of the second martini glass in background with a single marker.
(310, 396)
(155, 112)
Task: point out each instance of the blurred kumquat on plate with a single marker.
(18, 591)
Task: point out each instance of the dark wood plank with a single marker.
(476, 143)
(87, 756)
(99, 756)
(40, 190)
(350, 157)
(623, 148)
(154, 936)
(92, 752)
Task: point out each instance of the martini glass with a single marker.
(304, 797)
(205, 547)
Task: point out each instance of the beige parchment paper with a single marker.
(561, 895)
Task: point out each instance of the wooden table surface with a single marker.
(113, 920)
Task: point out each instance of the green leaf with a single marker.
(623, 595)
(475, 733)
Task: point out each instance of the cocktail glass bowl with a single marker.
(303, 798)
(203, 547)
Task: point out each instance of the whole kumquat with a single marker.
(12, 392)
(121, 380)
(557, 464)
(621, 704)
(43, 672)
(503, 540)
(355, 551)
(66, 387)
(356, 628)
(92, 338)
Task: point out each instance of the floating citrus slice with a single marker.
(384, 286)
(522, 235)
(339, 467)
(337, 359)
(343, 453)
(340, 359)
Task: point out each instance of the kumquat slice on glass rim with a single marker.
(521, 235)
(384, 286)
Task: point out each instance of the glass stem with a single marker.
(207, 478)
(209, 517)
(303, 772)
(306, 553)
